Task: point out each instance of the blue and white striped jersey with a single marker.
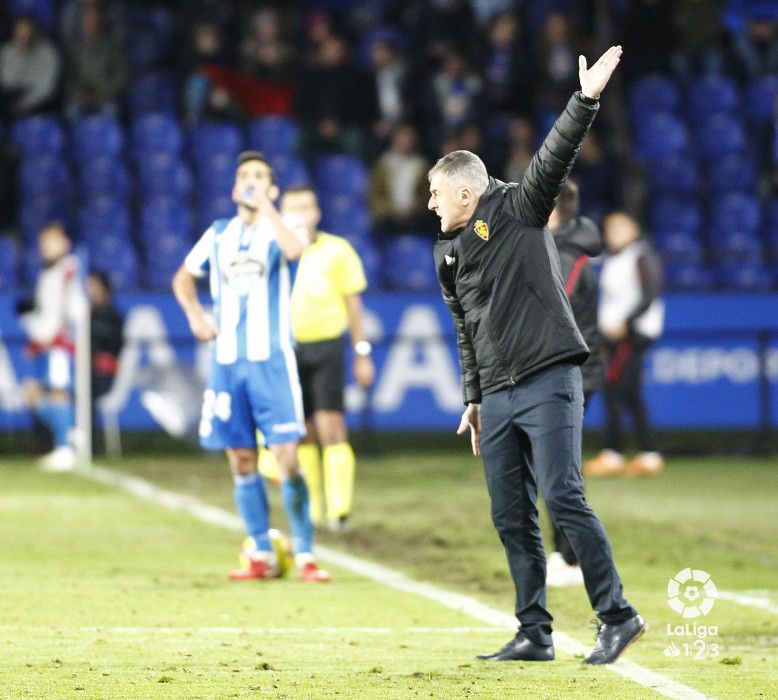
(251, 283)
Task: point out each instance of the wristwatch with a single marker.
(363, 348)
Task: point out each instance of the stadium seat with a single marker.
(672, 213)
(38, 135)
(733, 172)
(762, 98)
(43, 175)
(712, 93)
(164, 174)
(743, 274)
(678, 242)
(346, 216)
(156, 133)
(409, 264)
(673, 174)
(163, 256)
(44, 11)
(104, 216)
(730, 240)
(720, 134)
(660, 135)
(737, 211)
(273, 135)
(105, 176)
(32, 264)
(216, 177)
(213, 208)
(9, 263)
(35, 213)
(341, 174)
(154, 93)
(372, 262)
(123, 270)
(289, 171)
(687, 275)
(653, 93)
(210, 139)
(164, 215)
(97, 136)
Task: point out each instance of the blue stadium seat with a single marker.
(164, 255)
(104, 216)
(38, 135)
(761, 99)
(9, 263)
(672, 213)
(32, 264)
(43, 175)
(720, 134)
(97, 136)
(744, 274)
(737, 211)
(712, 93)
(673, 174)
(733, 172)
(653, 93)
(274, 135)
(217, 176)
(165, 215)
(123, 267)
(678, 242)
(348, 216)
(372, 262)
(44, 11)
(35, 213)
(213, 208)
(164, 174)
(661, 135)
(104, 176)
(731, 240)
(341, 174)
(289, 171)
(156, 133)
(215, 138)
(154, 93)
(410, 264)
(688, 275)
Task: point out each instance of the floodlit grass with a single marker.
(104, 596)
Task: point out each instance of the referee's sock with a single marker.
(339, 467)
(294, 493)
(310, 464)
(251, 499)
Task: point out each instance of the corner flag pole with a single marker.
(83, 365)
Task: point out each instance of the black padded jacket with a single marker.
(500, 273)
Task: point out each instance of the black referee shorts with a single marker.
(322, 375)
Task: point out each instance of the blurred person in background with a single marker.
(597, 171)
(391, 77)
(577, 241)
(398, 186)
(521, 148)
(557, 63)
(326, 302)
(96, 67)
(107, 332)
(47, 320)
(265, 52)
(753, 29)
(253, 383)
(29, 70)
(630, 319)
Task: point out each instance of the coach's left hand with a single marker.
(594, 79)
(364, 371)
(472, 418)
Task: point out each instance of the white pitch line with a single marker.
(749, 600)
(254, 631)
(456, 601)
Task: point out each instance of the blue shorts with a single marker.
(52, 368)
(249, 395)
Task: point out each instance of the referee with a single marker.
(326, 301)
(519, 352)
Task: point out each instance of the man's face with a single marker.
(53, 244)
(304, 205)
(619, 231)
(253, 174)
(447, 202)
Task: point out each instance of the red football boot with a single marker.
(257, 569)
(311, 573)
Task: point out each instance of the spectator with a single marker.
(107, 333)
(97, 67)
(114, 14)
(557, 63)
(336, 102)
(521, 148)
(508, 68)
(29, 70)
(649, 51)
(264, 52)
(598, 174)
(391, 77)
(699, 30)
(753, 26)
(398, 186)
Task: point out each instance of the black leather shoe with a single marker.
(521, 648)
(612, 640)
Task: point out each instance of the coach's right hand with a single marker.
(472, 418)
(203, 325)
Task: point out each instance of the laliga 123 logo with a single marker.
(691, 593)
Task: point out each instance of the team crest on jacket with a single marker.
(481, 229)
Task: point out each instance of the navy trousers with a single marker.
(530, 440)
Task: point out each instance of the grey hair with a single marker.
(464, 169)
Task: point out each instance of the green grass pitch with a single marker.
(106, 596)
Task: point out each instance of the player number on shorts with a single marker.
(214, 406)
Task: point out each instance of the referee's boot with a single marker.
(521, 648)
(613, 640)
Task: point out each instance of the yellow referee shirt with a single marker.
(328, 269)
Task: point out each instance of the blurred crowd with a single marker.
(396, 83)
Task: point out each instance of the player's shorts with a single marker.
(249, 395)
(322, 375)
(52, 368)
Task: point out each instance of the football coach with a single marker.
(520, 354)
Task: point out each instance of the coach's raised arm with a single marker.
(551, 165)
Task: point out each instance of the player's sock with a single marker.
(310, 464)
(251, 500)
(268, 466)
(295, 495)
(339, 466)
(59, 417)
